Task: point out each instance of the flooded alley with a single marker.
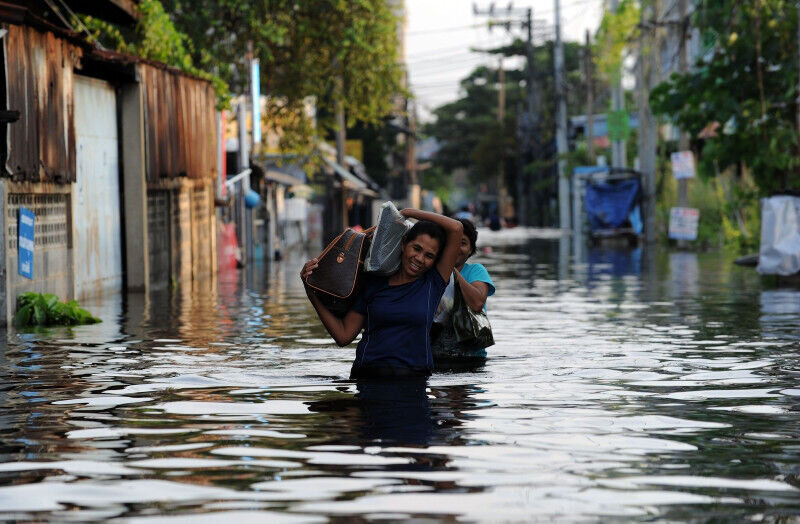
(623, 384)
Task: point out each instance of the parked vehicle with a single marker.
(611, 199)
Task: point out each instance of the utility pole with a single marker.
(618, 153)
(564, 220)
(501, 112)
(340, 207)
(527, 128)
(413, 190)
(502, 192)
(683, 137)
(646, 71)
(341, 126)
(501, 92)
(587, 67)
(798, 65)
(531, 130)
(244, 215)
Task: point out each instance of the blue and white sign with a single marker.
(25, 242)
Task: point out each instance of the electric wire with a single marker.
(66, 22)
(440, 58)
(82, 25)
(429, 69)
(57, 11)
(444, 30)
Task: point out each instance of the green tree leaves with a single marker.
(617, 30)
(155, 38)
(302, 47)
(747, 82)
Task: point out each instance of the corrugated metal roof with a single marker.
(180, 125)
(40, 86)
(181, 130)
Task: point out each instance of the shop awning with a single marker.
(282, 178)
(350, 180)
(348, 177)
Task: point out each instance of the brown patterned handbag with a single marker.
(337, 278)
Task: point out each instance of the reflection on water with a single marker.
(624, 384)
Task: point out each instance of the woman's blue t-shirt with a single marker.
(397, 322)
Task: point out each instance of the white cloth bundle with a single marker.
(780, 236)
(384, 253)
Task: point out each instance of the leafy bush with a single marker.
(730, 216)
(36, 309)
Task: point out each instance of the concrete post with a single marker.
(246, 236)
(618, 152)
(561, 127)
(646, 72)
(134, 158)
(6, 309)
(683, 138)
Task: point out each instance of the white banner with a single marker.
(682, 164)
(683, 223)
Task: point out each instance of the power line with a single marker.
(446, 73)
(565, 6)
(444, 30)
(438, 66)
(464, 50)
(438, 51)
(440, 58)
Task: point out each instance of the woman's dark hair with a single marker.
(426, 227)
(472, 234)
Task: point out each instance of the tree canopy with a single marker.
(303, 48)
(744, 85)
(154, 37)
(471, 137)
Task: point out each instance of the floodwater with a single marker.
(624, 385)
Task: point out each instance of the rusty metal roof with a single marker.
(40, 74)
(181, 128)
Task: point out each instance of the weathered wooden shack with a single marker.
(115, 155)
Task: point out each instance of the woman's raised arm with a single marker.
(453, 229)
(343, 330)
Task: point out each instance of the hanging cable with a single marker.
(82, 25)
(57, 11)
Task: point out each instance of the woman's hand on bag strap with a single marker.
(475, 293)
(308, 268)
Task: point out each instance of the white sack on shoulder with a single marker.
(384, 253)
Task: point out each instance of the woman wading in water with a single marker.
(476, 286)
(396, 312)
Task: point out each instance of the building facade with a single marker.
(115, 156)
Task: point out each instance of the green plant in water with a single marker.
(37, 309)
